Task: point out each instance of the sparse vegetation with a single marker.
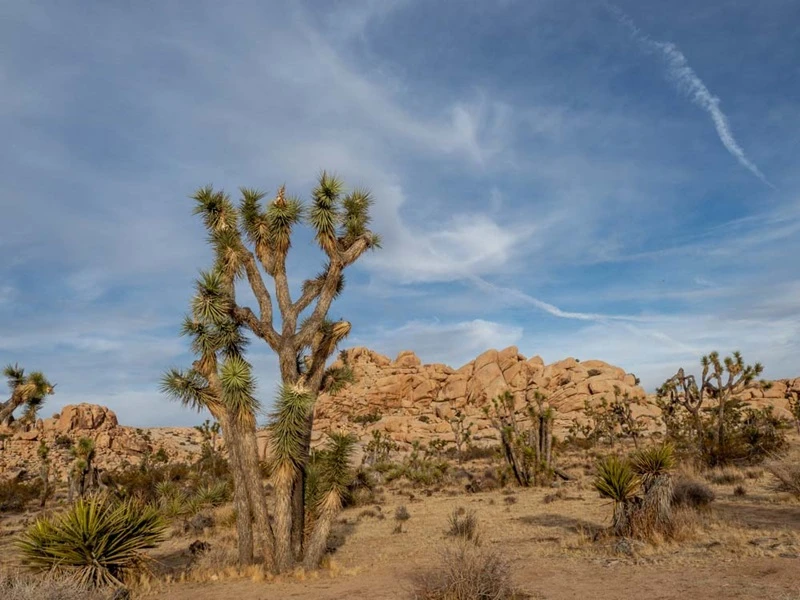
(787, 477)
(527, 444)
(367, 418)
(26, 586)
(463, 524)
(466, 572)
(710, 419)
(690, 493)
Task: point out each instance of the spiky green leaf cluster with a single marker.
(187, 387)
(238, 386)
(96, 541)
(288, 425)
(616, 479)
(653, 461)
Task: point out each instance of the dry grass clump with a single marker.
(725, 476)
(466, 572)
(463, 525)
(692, 494)
(24, 586)
(787, 477)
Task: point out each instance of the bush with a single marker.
(97, 542)
(366, 419)
(463, 524)
(402, 514)
(692, 494)
(725, 476)
(787, 476)
(14, 494)
(466, 573)
(22, 586)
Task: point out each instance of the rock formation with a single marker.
(416, 401)
(116, 446)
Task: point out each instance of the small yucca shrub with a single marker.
(617, 481)
(96, 541)
(463, 524)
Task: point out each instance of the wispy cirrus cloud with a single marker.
(689, 83)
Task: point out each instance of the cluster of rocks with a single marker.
(116, 446)
(416, 401)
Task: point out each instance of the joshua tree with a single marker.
(721, 381)
(462, 433)
(528, 447)
(221, 382)
(249, 240)
(44, 471)
(29, 390)
(83, 473)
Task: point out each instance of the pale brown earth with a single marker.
(744, 547)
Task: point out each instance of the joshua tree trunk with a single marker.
(322, 528)
(284, 483)
(7, 408)
(255, 491)
(244, 517)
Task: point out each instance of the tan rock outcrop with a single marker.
(416, 401)
(116, 446)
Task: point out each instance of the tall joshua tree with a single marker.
(221, 382)
(28, 390)
(252, 240)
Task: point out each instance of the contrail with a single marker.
(623, 320)
(690, 84)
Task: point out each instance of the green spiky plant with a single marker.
(334, 479)
(221, 382)
(96, 541)
(287, 435)
(654, 466)
(252, 240)
(29, 390)
(617, 481)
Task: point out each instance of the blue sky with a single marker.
(575, 178)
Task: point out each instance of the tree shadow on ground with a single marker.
(570, 524)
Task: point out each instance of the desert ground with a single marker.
(746, 544)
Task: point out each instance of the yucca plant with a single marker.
(654, 466)
(617, 481)
(334, 476)
(96, 541)
(213, 494)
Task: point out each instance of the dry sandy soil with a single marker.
(743, 547)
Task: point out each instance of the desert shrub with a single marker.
(24, 586)
(96, 541)
(787, 476)
(15, 494)
(366, 419)
(725, 476)
(424, 419)
(474, 452)
(740, 490)
(692, 494)
(63, 442)
(379, 449)
(401, 513)
(466, 572)
(463, 524)
(418, 468)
